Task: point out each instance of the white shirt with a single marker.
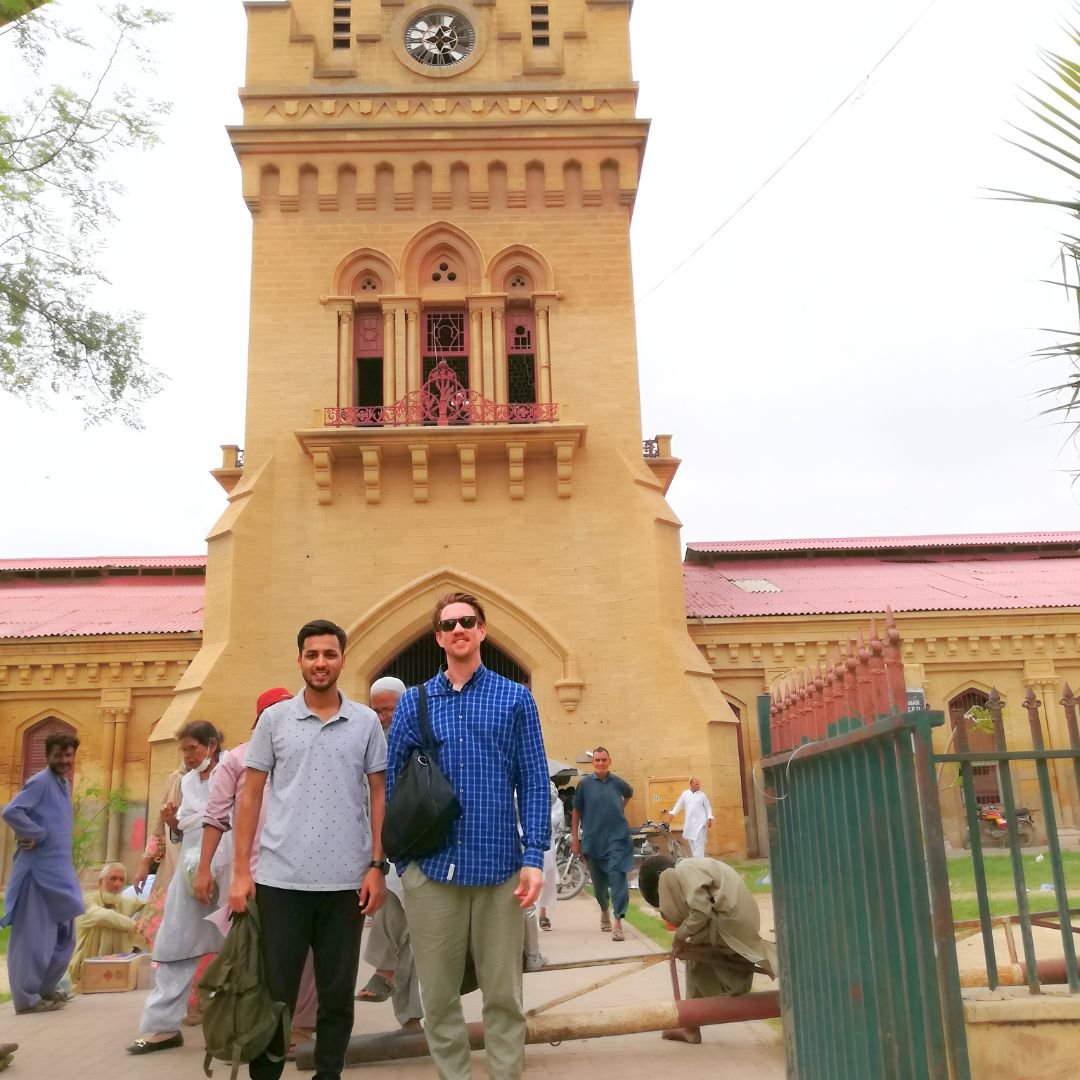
(698, 812)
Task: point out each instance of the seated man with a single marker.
(109, 925)
(709, 906)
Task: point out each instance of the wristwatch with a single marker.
(380, 864)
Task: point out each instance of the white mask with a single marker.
(204, 764)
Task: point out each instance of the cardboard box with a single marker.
(111, 974)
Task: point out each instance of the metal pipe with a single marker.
(594, 1023)
(1049, 972)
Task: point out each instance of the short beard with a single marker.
(319, 689)
(111, 899)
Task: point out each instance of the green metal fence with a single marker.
(1009, 827)
(868, 974)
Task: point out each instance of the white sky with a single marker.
(847, 357)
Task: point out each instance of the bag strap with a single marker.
(427, 738)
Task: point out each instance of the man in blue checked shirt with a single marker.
(471, 895)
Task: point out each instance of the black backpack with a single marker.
(239, 1017)
(423, 806)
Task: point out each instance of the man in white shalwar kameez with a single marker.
(699, 817)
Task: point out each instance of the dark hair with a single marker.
(318, 628)
(602, 750)
(648, 880)
(202, 731)
(457, 598)
(61, 740)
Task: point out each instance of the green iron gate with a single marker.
(868, 974)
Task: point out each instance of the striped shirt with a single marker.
(491, 749)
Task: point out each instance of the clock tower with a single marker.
(442, 380)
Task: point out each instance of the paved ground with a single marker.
(87, 1038)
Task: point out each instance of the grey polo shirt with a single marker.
(317, 835)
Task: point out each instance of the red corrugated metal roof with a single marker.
(871, 543)
(92, 606)
(107, 562)
(835, 585)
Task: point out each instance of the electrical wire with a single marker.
(855, 90)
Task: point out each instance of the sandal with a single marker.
(378, 988)
(617, 934)
(545, 923)
(605, 922)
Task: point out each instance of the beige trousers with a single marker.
(446, 921)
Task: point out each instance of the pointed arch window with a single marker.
(446, 337)
(368, 349)
(520, 357)
(33, 748)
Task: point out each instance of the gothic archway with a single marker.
(984, 774)
(423, 657)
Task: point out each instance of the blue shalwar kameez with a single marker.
(43, 896)
(605, 838)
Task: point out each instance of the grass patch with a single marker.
(5, 933)
(5, 997)
(642, 917)
(999, 882)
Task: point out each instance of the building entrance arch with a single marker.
(519, 644)
(418, 662)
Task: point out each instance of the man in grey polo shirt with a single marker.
(321, 866)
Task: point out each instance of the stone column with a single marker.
(543, 353)
(345, 357)
(489, 354)
(498, 352)
(114, 844)
(413, 375)
(390, 394)
(476, 347)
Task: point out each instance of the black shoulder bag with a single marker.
(422, 806)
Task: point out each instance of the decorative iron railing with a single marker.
(650, 448)
(441, 401)
(239, 458)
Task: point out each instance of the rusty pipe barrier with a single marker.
(556, 1027)
(1050, 972)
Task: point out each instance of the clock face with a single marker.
(439, 39)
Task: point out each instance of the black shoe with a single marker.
(59, 995)
(144, 1046)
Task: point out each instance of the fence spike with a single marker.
(1031, 707)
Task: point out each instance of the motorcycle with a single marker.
(656, 838)
(994, 825)
(573, 871)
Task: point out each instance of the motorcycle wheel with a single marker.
(679, 850)
(1024, 833)
(572, 879)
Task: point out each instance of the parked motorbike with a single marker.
(573, 871)
(994, 825)
(656, 838)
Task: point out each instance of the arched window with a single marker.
(33, 748)
(985, 776)
(423, 658)
(368, 346)
(520, 357)
(446, 337)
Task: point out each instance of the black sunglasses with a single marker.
(467, 623)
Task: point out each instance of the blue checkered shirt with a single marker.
(491, 749)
